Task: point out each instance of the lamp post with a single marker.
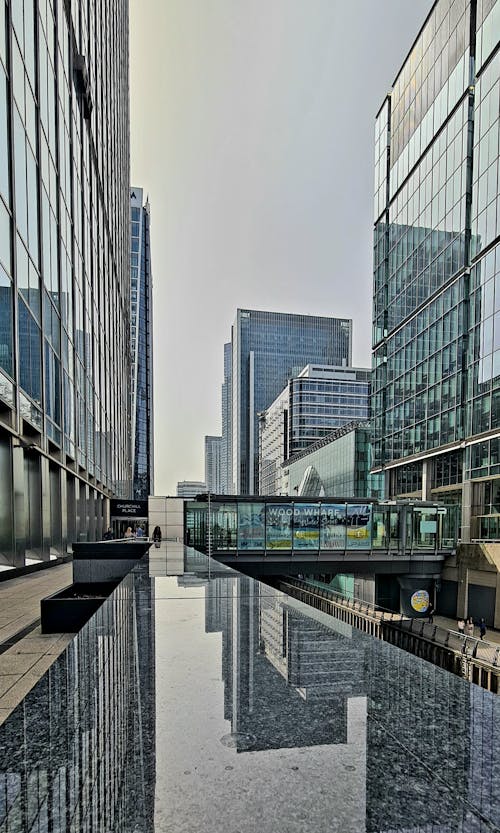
(209, 536)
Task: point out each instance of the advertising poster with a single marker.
(420, 601)
(358, 526)
(279, 526)
(306, 526)
(251, 526)
(332, 530)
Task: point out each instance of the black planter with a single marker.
(69, 609)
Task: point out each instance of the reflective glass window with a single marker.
(333, 526)
(251, 526)
(358, 526)
(6, 311)
(279, 519)
(306, 526)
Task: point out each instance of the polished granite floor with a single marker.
(198, 699)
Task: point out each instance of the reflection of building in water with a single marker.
(291, 676)
(79, 752)
(419, 726)
(436, 310)
(287, 676)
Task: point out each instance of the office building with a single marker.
(213, 464)
(267, 349)
(226, 477)
(190, 488)
(64, 274)
(436, 313)
(312, 404)
(338, 465)
(141, 346)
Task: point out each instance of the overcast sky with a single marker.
(252, 132)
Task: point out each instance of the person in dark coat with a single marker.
(482, 628)
(157, 535)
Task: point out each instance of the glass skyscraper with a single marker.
(267, 348)
(436, 314)
(311, 406)
(141, 346)
(64, 274)
(213, 464)
(226, 457)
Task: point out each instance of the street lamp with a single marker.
(209, 536)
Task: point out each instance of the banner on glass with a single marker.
(306, 526)
(332, 526)
(251, 526)
(358, 526)
(279, 526)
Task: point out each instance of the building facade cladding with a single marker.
(141, 346)
(273, 445)
(190, 488)
(315, 402)
(213, 464)
(226, 454)
(340, 468)
(268, 348)
(64, 248)
(436, 337)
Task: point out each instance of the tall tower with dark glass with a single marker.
(267, 348)
(141, 346)
(64, 273)
(436, 313)
(226, 477)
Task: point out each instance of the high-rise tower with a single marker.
(267, 348)
(436, 314)
(141, 346)
(64, 273)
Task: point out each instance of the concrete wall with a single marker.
(168, 514)
(475, 572)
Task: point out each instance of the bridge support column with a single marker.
(412, 595)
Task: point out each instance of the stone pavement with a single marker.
(451, 624)
(26, 653)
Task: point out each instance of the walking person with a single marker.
(430, 613)
(139, 533)
(469, 627)
(461, 626)
(482, 628)
(108, 536)
(128, 532)
(157, 536)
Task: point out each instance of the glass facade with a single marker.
(313, 404)
(226, 486)
(141, 341)
(339, 465)
(213, 464)
(330, 524)
(436, 349)
(64, 240)
(267, 349)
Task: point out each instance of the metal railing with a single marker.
(476, 660)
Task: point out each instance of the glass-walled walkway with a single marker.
(271, 525)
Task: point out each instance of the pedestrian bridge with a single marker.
(277, 534)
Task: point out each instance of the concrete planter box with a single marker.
(105, 561)
(68, 610)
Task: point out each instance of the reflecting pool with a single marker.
(207, 701)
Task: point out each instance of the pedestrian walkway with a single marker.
(26, 653)
(451, 624)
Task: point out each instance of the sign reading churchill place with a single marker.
(129, 508)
